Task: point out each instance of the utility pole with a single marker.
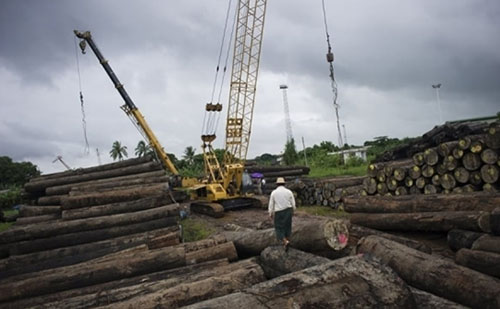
(437, 87)
(345, 135)
(59, 158)
(288, 122)
(304, 150)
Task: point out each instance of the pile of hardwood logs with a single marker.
(326, 192)
(468, 164)
(272, 172)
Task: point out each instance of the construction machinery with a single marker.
(129, 107)
(222, 187)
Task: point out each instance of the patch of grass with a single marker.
(194, 230)
(10, 212)
(6, 213)
(318, 172)
(4, 226)
(323, 211)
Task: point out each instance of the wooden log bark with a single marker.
(81, 275)
(19, 264)
(370, 185)
(461, 175)
(458, 239)
(428, 171)
(436, 180)
(65, 189)
(418, 159)
(275, 261)
(482, 261)
(421, 182)
(42, 230)
(450, 163)
(370, 284)
(409, 182)
(422, 203)
(489, 173)
(30, 211)
(186, 293)
(98, 168)
(488, 243)
(399, 173)
(430, 189)
(49, 200)
(425, 300)
(495, 221)
(39, 186)
(97, 294)
(120, 185)
(436, 275)
(116, 208)
(445, 149)
(91, 199)
(476, 146)
(441, 168)
(105, 269)
(180, 289)
(415, 172)
(401, 191)
(309, 236)
(71, 239)
(425, 221)
(36, 219)
(356, 232)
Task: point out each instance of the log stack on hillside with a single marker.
(470, 163)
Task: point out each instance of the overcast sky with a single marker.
(388, 53)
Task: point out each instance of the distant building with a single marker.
(359, 152)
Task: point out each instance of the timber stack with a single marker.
(270, 173)
(468, 164)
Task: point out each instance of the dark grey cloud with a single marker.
(388, 53)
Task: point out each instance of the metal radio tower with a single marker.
(288, 123)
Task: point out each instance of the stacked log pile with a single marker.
(326, 192)
(272, 172)
(470, 163)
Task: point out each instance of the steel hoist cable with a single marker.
(84, 122)
(329, 58)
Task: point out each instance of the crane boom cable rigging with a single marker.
(333, 82)
(84, 122)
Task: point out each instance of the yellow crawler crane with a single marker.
(222, 187)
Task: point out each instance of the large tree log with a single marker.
(19, 264)
(50, 200)
(495, 221)
(422, 203)
(94, 272)
(275, 261)
(39, 186)
(492, 138)
(116, 208)
(30, 211)
(425, 221)
(91, 199)
(264, 169)
(487, 243)
(458, 239)
(119, 185)
(435, 275)
(310, 236)
(97, 293)
(482, 261)
(71, 239)
(42, 230)
(80, 275)
(188, 292)
(65, 189)
(356, 232)
(36, 219)
(471, 161)
(98, 168)
(177, 285)
(425, 300)
(489, 173)
(348, 282)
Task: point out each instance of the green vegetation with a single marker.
(323, 211)
(15, 173)
(11, 197)
(382, 144)
(194, 230)
(6, 225)
(142, 149)
(318, 172)
(118, 151)
(290, 155)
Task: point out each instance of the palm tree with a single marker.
(189, 155)
(142, 149)
(118, 151)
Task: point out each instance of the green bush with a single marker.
(10, 198)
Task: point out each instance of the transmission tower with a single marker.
(288, 123)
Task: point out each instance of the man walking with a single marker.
(281, 207)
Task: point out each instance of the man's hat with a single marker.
(280, 181)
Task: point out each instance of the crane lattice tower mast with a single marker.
(288, 122)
